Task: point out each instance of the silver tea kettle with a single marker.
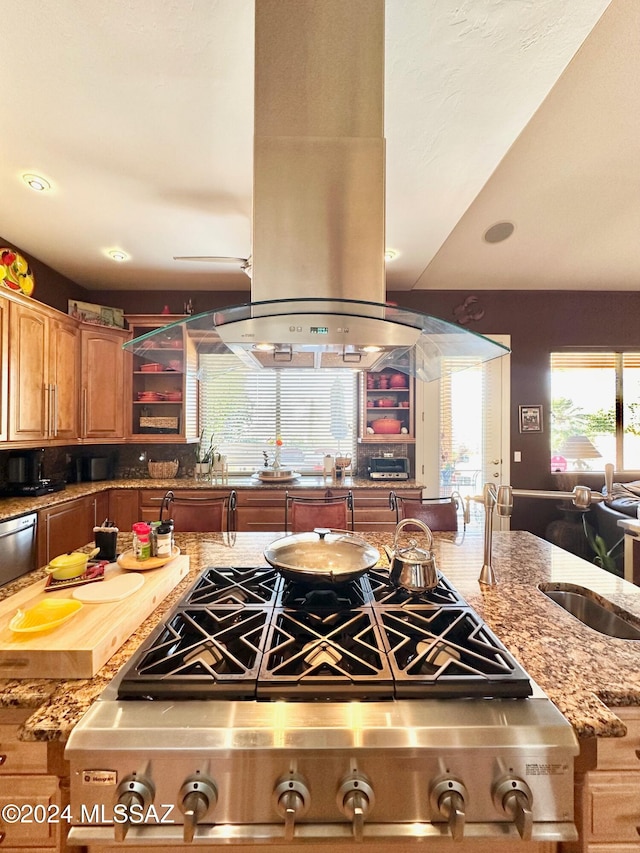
(412, 568)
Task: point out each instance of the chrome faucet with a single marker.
(501, 498)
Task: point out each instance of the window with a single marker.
(314, 412)
(595, 410)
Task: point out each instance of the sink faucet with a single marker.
(501, 498)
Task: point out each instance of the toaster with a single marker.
(389, 468)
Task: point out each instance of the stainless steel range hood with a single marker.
(318, 207)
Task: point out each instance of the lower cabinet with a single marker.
(608, 791)
(124, 508)
(371, 509)
(33, 778)
(262, 510)
(69, 525)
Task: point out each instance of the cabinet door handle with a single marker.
(54, 391)
(3, 758)
(84, 412)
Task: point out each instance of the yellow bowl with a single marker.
(47, 614)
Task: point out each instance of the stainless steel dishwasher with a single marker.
(17, 546)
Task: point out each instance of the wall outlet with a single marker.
(517, 456)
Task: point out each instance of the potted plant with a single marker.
(204, 456)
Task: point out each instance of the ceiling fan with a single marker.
(245, 263)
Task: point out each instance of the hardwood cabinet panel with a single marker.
(616, 753)
(124, 508)
(64, 361)
(65, 527)
(615, 808)
(28, 379)
(43, 375)
(4, 370)
(103, 383)
(17, 757)
(30, 792)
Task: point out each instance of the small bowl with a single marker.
(70, 565)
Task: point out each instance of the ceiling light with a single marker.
(499, 232)
(36, 182)
(118, 255)
(390, 254)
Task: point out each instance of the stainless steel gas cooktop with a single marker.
(247, 633)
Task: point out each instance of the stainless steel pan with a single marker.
(322, 556)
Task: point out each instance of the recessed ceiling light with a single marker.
(118, 255)
(499, 232)
(36, 182)
(390, 254)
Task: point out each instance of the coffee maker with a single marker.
(25, 477)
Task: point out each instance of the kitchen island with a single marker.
(593, 679)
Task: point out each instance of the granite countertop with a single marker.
(586, 674)
(12, 507)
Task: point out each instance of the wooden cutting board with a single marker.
(83, 644)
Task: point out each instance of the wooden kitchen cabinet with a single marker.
(162, 391)
(68, 526)
(608, 791)
(371, 510)
(387, 394)
(44, 358)
(263, 509)
(102, 408)
(32, 776)
(4, 370)
(124, 508)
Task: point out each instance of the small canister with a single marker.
(164, 534)
(141, 541)
(153, 538)
(328, 465)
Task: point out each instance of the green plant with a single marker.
(205, 453)
(605, 558)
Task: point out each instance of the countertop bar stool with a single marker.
(200, 515)
(437, 513)
(307, 513)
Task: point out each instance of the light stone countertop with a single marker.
(586, 674)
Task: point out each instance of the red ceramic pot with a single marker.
(386, 426)
(398, 380)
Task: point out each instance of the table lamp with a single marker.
(579, 448)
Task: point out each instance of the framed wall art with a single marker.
(530, 418)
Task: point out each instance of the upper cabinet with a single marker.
(43, 374)
(387, 407)
(102, 413)
(4, 370)
(163, 393)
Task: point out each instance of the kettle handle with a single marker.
(415, 521)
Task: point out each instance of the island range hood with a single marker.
(318, 275)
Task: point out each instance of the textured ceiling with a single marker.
(140, 113)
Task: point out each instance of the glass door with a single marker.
(466, 430)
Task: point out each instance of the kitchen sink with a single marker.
(593, 611)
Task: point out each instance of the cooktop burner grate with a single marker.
(338, 653)
(246, 633)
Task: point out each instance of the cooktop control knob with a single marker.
(448, 798)
(512, 796)
(355, 799)
(133, 795)
(197, 796)
(291, 799)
